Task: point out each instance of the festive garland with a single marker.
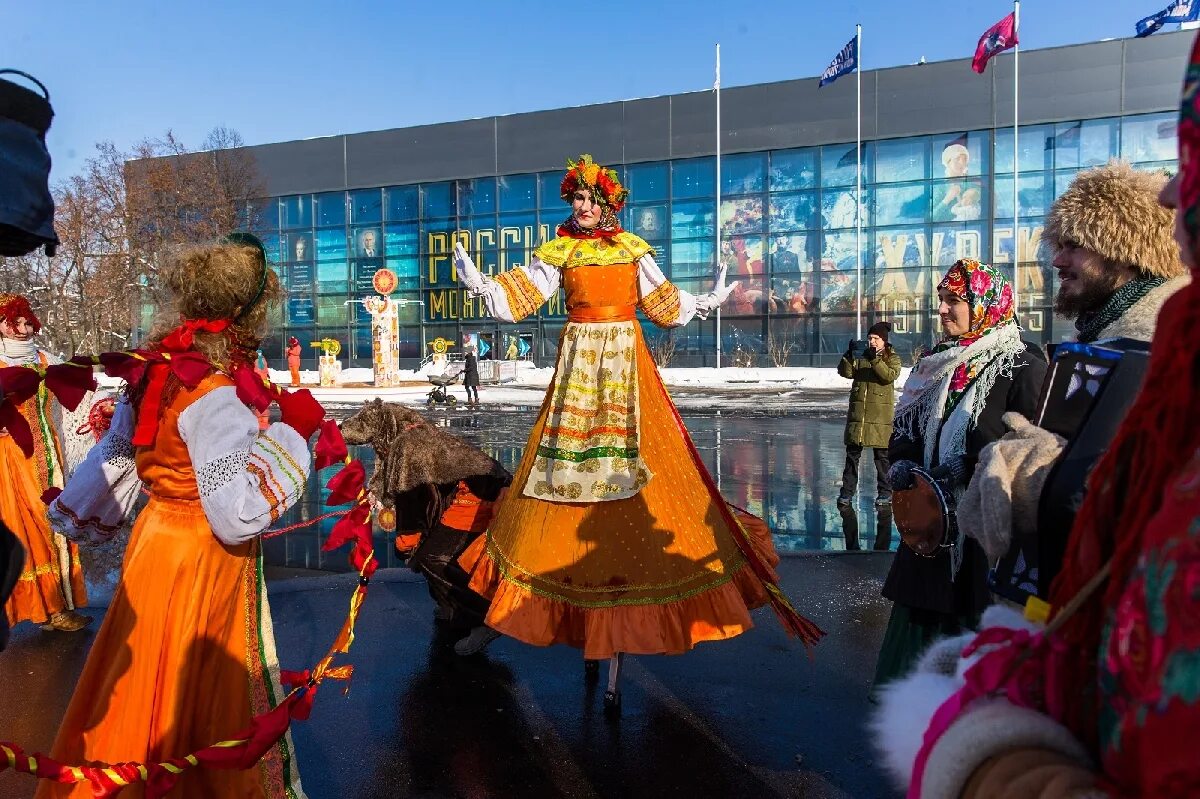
(70, 382)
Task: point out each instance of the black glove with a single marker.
(850, 347)
(901, 476)
(870, 353)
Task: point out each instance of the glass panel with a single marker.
(691, 259)
(794, 251)
(518, 235)
(1063, 179)
(837, 209)
(1149, 138)
(837, 294)
(518, 192)
(838, 163)
(331, 208)
(901, 205)
(437, 200)
(548, 184)
(743, 257)
(271, 245)
(839, 250)
(408, 271)
(1033, 194)
(792, 293)
(962, 154)
(901, 159)
(693, 177)
(332, 276)
(900, 291)
(647, 182)
(401, 239)
(744, 215)
(959, 200)
(477, 196)
(331, 312)
(901, 247)
(402, 203)
(648, 221)
(297, 246)
(331, 245)
(366, 206)
(1029, 240)
(692, 220)
(1082, 144)
(1033, 143)
(368, 242)
(793, 211)
(300, 312)
(743, 174)
(296, 211)
(950, 243)
(299, 276)
(264, 215)
(793, 169)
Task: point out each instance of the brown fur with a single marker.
(1113, 210)
(410, 452)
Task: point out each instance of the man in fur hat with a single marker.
(1117, 263)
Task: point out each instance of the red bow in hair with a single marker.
(181, 338)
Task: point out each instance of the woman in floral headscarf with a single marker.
(951, 407)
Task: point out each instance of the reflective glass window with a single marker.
(899, 291)
(296, 211)
(331, 208)
(901, 205)
(900, 160)
(300, 312)
(741, 215)
(367, 242)
(366, 206)
(647, 182)
(693, 177)
(438, 200)
(477, 196)
(837, 291)
(962, 199)
(838, 251)
(1033, 193)
(263, 215)
(331, 312)
(691, 220)
(950, 243)
(691, 259)
(837, 209)
(793, 169)
(838, 163)
(1082, 144)
(744, 173)
(897, 248)
(1151, 137)
(1035, 144)
(647, 221)
(793, 211)
(548, 188)
(402, 203)
(794, 251)
(401, 239)
(297, 247)
(956, 155)
(518, 192)
(793, 293)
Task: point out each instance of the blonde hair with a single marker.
(219, 281)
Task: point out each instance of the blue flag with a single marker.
(845, 61)
(1179, 11)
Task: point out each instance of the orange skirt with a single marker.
(184, 658)
(41, 590)
(652, 574)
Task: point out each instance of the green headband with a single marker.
(243, 239)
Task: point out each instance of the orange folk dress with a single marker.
(186, 654)
(52, 580)
(613, 537)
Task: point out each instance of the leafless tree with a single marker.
(663, 348)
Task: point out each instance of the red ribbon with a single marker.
(331, 447)
(345, 486)
(70, 383)
(181, 338)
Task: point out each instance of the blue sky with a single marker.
(127, 69)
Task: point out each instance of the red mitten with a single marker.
(300, 410)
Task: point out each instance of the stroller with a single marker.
(439, 395)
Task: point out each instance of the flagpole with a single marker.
(858, 180)
(717, 87)
(1016, 161)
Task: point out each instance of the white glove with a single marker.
(707, 303)
(468, 274)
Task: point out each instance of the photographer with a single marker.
(872, 407)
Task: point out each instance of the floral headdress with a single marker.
(986, 291)
(14, 306)
(601, 182)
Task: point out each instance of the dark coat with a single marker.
(872, 397)
(924, 583)
(471, 370)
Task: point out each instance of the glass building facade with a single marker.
(787, 220)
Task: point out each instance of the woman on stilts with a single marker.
(613, 537)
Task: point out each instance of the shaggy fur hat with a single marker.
(1113, 210)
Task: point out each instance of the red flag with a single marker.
(996, 39)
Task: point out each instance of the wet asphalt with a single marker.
(749, 717)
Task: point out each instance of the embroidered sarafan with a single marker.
(567, 253)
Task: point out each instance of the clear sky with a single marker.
(127, 69)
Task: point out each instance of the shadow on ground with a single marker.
(753, 717)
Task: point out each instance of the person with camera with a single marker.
(872, 407)
(950, 408)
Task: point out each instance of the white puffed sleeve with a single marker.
(513, 295)
(664, 303)
(102, 491)
(246, 478)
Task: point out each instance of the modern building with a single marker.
(937, 186)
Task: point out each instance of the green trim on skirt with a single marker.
(909, 633)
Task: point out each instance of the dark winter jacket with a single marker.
(471, 370)
(924, 583)
(872, 397)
